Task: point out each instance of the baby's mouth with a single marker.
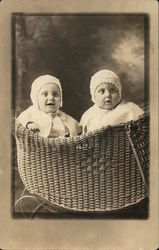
(50, 104)
(108, 102)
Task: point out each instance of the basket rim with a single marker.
(19, 126)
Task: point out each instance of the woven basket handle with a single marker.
(131, 127)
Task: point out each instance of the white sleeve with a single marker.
(25, 117)
(83, 122)
(135, 111)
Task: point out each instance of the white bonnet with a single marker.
(104, 76)
(40, 82)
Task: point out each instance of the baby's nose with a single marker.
(50, 97)
(107, 93)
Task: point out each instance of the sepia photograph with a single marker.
(83, 122)
(81, 103)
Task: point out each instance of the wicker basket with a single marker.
(103, 171)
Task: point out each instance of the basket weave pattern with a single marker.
(94, 172)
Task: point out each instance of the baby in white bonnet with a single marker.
(45, 116)
(108, 108)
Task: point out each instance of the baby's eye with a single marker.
(112, 90)
(55, 94)
(44, 94)
(101, 91)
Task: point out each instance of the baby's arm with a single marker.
(32, 126)
(26, 118)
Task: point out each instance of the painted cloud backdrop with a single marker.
(73, 47)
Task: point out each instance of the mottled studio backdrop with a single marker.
(72, 48)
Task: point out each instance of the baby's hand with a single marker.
(32, 126)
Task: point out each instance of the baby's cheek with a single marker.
(116, 100)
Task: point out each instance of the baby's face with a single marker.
(107, 96)
(49, 98)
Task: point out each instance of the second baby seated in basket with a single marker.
(108, 108)
(45, 116)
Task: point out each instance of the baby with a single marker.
(44, 115)
(108, 108)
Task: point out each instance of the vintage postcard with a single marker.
(79, 124)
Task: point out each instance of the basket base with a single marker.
(29, 206)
